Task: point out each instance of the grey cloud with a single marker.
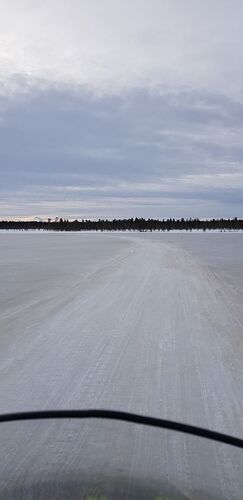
(53, 138)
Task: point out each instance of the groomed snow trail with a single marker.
(135, 323)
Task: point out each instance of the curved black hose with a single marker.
(125, 417)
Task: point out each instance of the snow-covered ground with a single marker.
(148, 323)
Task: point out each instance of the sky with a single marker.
(113, 108)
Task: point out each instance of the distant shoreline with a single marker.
(126, 225)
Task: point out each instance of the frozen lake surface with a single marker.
(148, 323)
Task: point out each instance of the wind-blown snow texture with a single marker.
(148, 323)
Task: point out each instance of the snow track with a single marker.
(141, 323)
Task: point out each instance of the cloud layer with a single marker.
(121, 108)
(143, 154)
(112, 45)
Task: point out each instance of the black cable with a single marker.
(125, 417)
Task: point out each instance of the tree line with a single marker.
(137, 224)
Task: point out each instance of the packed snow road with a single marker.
(146, 323)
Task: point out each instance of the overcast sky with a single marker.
(116, 108)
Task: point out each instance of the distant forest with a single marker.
(125, 225)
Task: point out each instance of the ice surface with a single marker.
(148, 323)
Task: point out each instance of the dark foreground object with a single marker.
(49, 454)
(125, 417)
